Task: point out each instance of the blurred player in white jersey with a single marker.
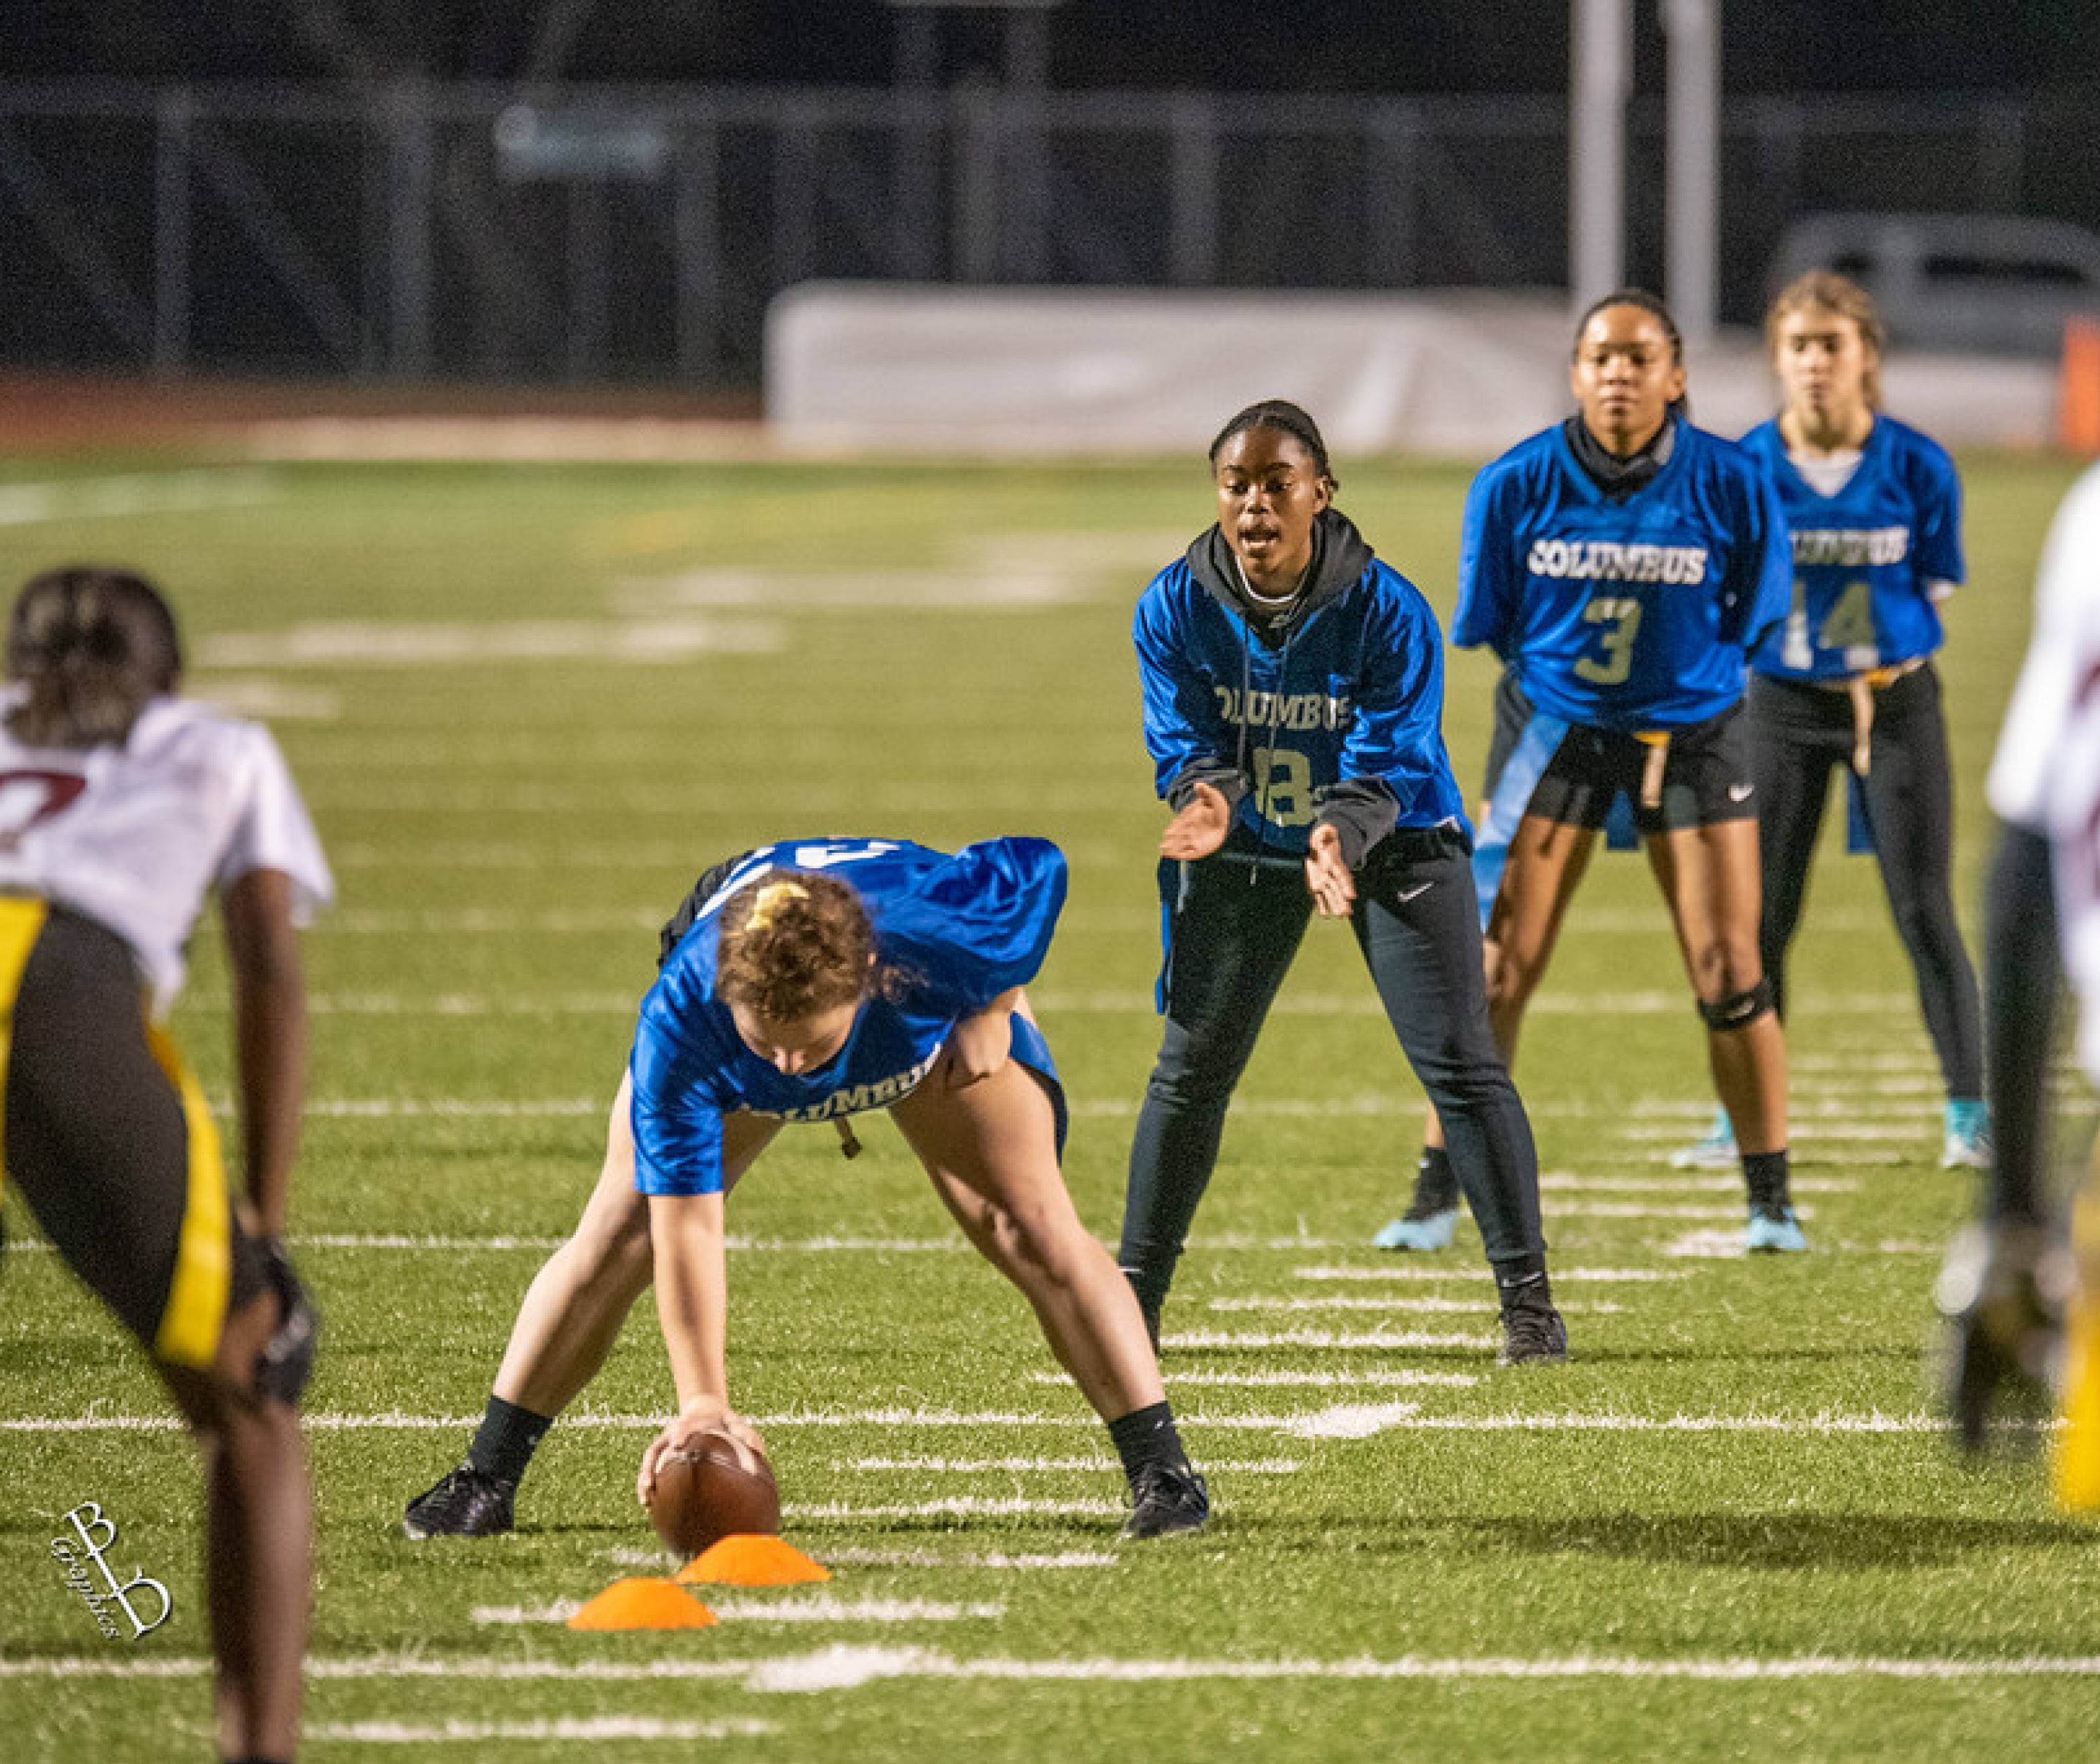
(2006, 1283)
(123, 809)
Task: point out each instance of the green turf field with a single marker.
(527, 705)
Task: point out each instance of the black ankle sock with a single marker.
(507, 1438)
(1435, 1180)
(1764, 1174)
(1520, 1273)
(1147, 1436)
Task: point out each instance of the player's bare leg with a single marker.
(258, 1537)
(990, 1149)
(573, 1311)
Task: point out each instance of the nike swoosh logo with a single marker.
(1405, 895)
(1740, 792)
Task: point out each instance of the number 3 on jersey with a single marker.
(1620, 619)
(1283, 786)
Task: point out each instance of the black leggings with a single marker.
(1233, 922)
(1801, 734)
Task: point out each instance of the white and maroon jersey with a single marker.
(136, 837)
(2045, 777)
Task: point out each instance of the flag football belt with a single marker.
(1860, 688)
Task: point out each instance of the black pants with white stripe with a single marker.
(1233, 922)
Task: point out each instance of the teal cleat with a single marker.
(1717, 1151)
(1773, 1229)
(1968, 1145)
(1419, 1231)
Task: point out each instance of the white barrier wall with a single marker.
(855, 367)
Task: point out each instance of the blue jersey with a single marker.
(1632, 615)
(1866, 560)
(1348, 694)
(955, 930)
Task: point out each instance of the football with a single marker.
(714, 1487)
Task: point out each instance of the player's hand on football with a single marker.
(1201, 826)
(700, 1416)
(1334, 889)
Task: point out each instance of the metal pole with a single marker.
(1692, 251)
(1600, 82)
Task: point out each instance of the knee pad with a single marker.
(1739, 1010)
(287, 1360)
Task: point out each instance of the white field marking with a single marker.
(75, 498)
(1421, 1302)
(948, 1507)
(568, 1729)
(392, 1241)
(977, 1466)
(823, 1607)
(839, 1667)
(1683, 1184)
(1044, 584)
(1708, 1246)
(1196, 1340)
(455, 921)
(1632, 1210)
(1562, 1276)
(1370, 1378)
(1353, 1421)
(636, 854)
(353, 643)
(274, 700)
(858, 1558)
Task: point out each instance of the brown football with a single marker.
(713, 1487)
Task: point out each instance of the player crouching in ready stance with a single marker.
(807, 982)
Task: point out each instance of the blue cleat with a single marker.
(1420, 1231)
(1773, 1229)
(1717, 1151)
(1968, 1145)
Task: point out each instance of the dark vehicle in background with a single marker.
(1987, 283)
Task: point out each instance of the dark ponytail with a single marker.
(91, 645)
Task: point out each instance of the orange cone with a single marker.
(2078, 406)
(746, 1559)
(644, 1604)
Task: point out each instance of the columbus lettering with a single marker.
(878, 1093)
(1611, 560)
(1289, 710)
(1852, 547)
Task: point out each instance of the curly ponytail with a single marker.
(91, 645)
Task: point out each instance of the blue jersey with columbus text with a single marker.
(1869, 561)
(1629, 614)
(1351, 691)
(955, 932)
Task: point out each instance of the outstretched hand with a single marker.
(1334, 889)
(1201, 826)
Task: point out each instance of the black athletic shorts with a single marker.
(108, 1139)
(1573, 774)
(703, 891)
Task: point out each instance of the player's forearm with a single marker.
(270, 1037)
(692, 1292)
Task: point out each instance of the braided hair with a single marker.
(1285, 418)
(92, 644)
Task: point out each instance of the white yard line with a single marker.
(840, 1667)
(571, 1731)
(1417, 1303)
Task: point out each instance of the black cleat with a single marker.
(1164, 1499)
(465, 1502)
(2003, 1292)
(1533, 1332)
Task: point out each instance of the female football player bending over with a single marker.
(808, 980)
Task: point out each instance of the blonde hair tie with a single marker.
(771, 899)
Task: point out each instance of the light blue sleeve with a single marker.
(677, 1122)
(1758, 592)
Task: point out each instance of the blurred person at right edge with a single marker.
(2008, 1281)
(1623, 564)
(1874, 511)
